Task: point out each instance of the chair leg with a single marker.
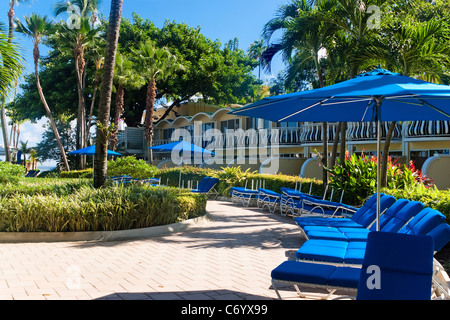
(276, 289)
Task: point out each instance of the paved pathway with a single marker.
(229, 258)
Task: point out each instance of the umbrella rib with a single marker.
(300, 111)
(346, 101)
(244, 109)
(434, 108)
(367, 108)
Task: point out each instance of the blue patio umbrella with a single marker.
(184, 147)
(90, 151)
(378, 95)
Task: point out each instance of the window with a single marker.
(229, 124)
(167, 133)
(251, 123)
(207, 126)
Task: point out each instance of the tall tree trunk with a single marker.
(101, 164)
(81, 117)
(119, 110)
(5, 131)
(47, 109)
(91, 109)
(335, 145)
(324, 131)
(3, 102)
(325, 153)
(149, 105)
(384, 159)
(343, 142)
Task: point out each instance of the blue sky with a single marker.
(218, 20)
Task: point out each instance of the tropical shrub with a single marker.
(11, 172)
(357, 176)
(429, 196)
(131, 166)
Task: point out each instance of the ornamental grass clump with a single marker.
(80, 207)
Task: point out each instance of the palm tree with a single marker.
(36, 28)
(11, 14)
(25, 150)
(97, 55)
(255, 52)
(10, 70)
(414, 50)
(303, 39)
(124, 76)
(74, 39)
(86, 8)
(100, 165)
(153, 63)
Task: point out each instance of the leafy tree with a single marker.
(47, 149)
(57, 77)
(218, 75)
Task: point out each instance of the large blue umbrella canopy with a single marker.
(90, 151)
(378, 95)
(391, 96)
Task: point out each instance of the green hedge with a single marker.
(11, 172)
(430, 197)
(77, 206)
(87, 173)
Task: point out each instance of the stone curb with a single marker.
(23, 237)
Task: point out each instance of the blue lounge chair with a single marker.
(404, 266)
(362, 218)
(32, 173)
(268, 198)
(152, 181)
(441, 280)
(206, 186)
(352, 252)
(244, 195)
(395, 217)
(290, 201)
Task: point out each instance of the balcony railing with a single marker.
(424, 129)
(132, 139)
(313, 132)
(363, 131)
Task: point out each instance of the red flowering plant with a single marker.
(357, 176)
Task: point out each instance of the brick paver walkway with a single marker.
(230, 257)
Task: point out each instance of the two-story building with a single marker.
(257, 144)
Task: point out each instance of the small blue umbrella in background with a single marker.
(90, 151)
(378, 95)
(182, 146)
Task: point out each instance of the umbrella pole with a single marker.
(378, 167)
